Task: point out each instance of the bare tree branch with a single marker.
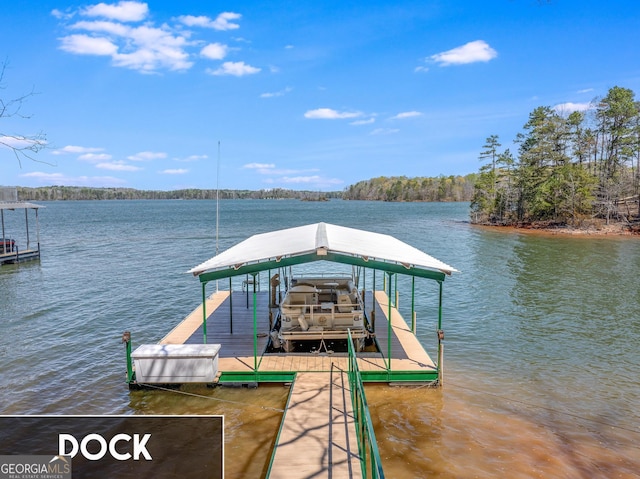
(22, 146)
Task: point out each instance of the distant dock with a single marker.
(18, 246)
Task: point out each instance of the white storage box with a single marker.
(176, 363)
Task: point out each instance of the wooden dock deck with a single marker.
(19, 256)
(230, 323)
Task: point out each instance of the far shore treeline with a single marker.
(443, 188)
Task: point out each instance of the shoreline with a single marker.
(611, 230)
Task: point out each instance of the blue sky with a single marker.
(299, 95)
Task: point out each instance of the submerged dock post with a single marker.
(440, 340)
(126, 339)
(440, 357)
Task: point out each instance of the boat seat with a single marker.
(344, 303)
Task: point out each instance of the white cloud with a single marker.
(223, 22)
(421, 69)
(472, 52)
(73, 149)
(368, 121)
(586, 90)
(384, 131)
(147, 156)
(191, 158)
(234, 68)
(60, 14)
(405, 115)
(117, 166)
(277, 93)
(259, 166)
(124, 11)
(215, 51)
(193, 21)
(177, 171)
(112, 28)
(155, 48)
(144, 47)
(300, 179)
(269, 169)
(18, 142)
(316, 180)
(330, 114)
(85, 45)
(95, 157)
(570, 107)
(61, 179)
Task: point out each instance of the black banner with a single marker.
(115, 446)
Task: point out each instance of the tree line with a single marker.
(568, 167)
(401, 188)
(444, 188)
(64, 193)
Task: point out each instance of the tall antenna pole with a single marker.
(217, 198)
(217, 204)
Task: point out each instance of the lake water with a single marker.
(541, 345)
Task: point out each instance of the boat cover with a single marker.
(321, 238)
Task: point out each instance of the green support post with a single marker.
(126, 339)
(395, 288)
(413, 304)
(389, 318)
(204, 312)
(255, 327)
(440, 306)
(440, 340)
(364, 289)
(230, 306)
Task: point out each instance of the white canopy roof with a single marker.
(321, 239)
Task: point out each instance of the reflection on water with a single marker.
(251, 419)
(462, 432)
(541, 335)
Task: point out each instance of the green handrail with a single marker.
(370, 461)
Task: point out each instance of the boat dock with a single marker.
(326, 337)
(16, 242)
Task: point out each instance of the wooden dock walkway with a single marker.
(318, 437)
